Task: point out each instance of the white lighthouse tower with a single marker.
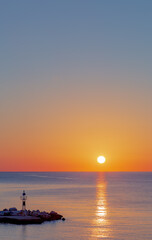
(23, 198)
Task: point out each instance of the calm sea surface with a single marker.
(96, 205)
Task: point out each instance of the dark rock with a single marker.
(12, 209)
(55, 216)
(5, 209)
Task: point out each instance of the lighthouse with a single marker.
(23, 198)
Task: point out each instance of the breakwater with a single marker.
(12, 215)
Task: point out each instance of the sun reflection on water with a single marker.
(101, 224)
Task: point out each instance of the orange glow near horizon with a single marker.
(63, 136)
(73, 151)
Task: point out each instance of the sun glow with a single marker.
(101, 159)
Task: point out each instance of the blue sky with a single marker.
(80, 43)
(74, 35)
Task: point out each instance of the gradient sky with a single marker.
(75, 83)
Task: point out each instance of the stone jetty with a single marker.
(12, 215)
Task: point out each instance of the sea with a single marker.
(96, 205)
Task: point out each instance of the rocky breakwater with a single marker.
(12, 215)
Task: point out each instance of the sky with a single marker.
(75, 83)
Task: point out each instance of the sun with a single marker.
(101, 159)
